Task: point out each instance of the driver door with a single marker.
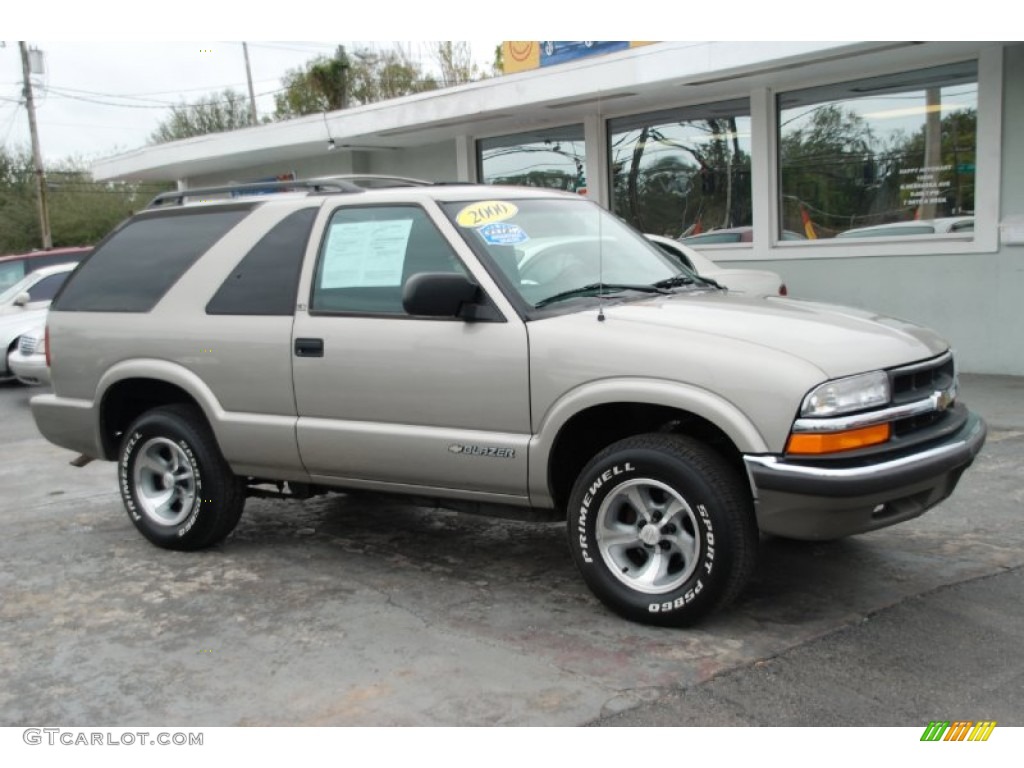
(390, 401)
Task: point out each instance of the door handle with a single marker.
(309, 347)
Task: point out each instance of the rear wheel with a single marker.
(662, 529)
(178, 489)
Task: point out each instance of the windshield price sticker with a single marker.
(485, 212)
(501, 233)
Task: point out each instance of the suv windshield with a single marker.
(557, 249)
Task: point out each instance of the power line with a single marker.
(10, 125)
(59, 93)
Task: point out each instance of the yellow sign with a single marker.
(485, 212)
(520, 55)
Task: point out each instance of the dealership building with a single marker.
(888, 176)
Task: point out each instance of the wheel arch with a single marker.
(587, 419)
(129, 389)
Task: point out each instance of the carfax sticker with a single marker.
(485, 212)
(502, 233)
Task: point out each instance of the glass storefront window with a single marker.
(555, 158)
(888, 156)
(684, 172)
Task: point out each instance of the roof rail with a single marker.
(255, 188)
(375, 180)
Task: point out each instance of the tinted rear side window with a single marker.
(133, 270)
(266, 280)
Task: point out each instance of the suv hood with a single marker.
(840, 341)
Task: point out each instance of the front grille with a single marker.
(27, 345)
(920, 381)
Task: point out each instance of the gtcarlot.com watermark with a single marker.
(72, 738)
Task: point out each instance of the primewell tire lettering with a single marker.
(588, 499)
(129, 498)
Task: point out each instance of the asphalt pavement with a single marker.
(951, 653)
(345, 610)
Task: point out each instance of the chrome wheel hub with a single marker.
(648, 536)
(165, 482)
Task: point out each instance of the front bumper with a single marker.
(804, 501)
(28, 369)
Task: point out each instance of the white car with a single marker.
(23, 307)
(27, 361)
(759, 282)
(946, 225)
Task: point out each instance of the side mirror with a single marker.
(438, 294)
(22, 299)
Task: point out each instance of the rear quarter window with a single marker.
(266, 280)
(133, 269)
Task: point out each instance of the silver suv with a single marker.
(496, 348)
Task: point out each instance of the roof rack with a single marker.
(353, 182)
(255, 188)
(375, 180)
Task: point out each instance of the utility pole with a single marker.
(37, 155)
(248, 76)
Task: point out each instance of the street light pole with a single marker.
(37, 155)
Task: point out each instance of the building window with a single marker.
(555, 158)
(890, 156)
(684, 172)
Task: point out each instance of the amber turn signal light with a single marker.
(834, 442)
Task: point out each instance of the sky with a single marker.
(99, 99)
(114, 67)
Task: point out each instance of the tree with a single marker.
(214, 113)
(829, 166)
(320, 86)
(455, 60)
(82, 211)
(366, 76)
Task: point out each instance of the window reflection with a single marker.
(555, 158)
(883, 157)
(684, 172)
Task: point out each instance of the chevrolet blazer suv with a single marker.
(323, 335)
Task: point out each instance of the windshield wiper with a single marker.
(684, 279)
(593, 288)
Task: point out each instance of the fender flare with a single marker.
(671, 394)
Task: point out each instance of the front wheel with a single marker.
(662, 529)
(178, 489)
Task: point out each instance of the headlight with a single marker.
(854, 393)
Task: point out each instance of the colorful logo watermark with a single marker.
(958, 730)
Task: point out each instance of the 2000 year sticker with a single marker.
(485, 212)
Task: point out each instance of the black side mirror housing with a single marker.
(438, 294)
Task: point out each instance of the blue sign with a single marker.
(503, 233)
(561, 51)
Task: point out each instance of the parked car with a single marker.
(14, 267)
(386, 340)
(27, 361)
(731, 235)
(949, 224)
(756, 282)
(23, 307)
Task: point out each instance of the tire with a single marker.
(177, 488)
(662, 529)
